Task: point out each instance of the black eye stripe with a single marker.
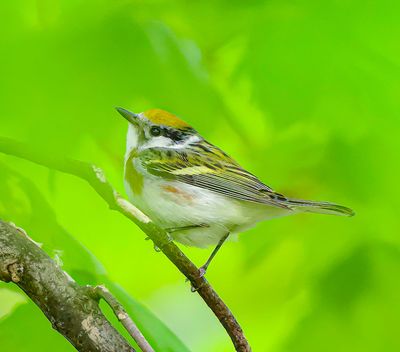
(176, 135)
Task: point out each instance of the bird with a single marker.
(194, 190)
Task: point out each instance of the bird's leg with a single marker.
(183, 228)
(204, 267)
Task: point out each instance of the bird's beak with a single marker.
(130, 116)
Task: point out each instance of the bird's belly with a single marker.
(173, 204)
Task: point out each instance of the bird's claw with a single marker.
(202, 272)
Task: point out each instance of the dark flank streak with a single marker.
(184, 156)
(204, 148)
(210, 166)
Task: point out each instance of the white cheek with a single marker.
(163, 142)
(132, 139)
(157, 142)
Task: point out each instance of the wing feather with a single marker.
(212, 170)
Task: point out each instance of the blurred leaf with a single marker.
(349, 303)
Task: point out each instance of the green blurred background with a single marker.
(305, 94)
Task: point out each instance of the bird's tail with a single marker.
(319, 207)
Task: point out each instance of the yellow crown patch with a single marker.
(162, 117)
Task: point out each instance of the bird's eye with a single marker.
(155, 131)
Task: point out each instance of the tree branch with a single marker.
(101, 292)
(70, 308)
(96, 178)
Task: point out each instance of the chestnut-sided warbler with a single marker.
(194, 190)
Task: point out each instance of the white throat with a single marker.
(132, 140)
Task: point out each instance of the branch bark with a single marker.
(70, 308)
(96, 178)
(101, 292)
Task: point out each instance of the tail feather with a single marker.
(319, 207)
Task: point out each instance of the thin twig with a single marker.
(96, 178)
(119, 311)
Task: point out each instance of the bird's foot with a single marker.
(202, 270)
(193, 289)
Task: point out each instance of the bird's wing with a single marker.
(208, 167)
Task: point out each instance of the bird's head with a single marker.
(157, 128)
